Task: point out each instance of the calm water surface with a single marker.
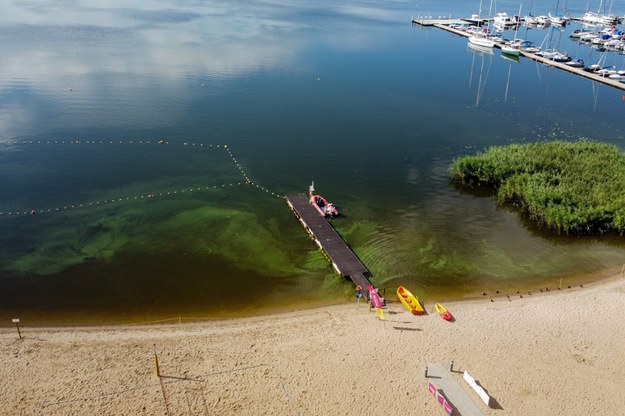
(349, 95)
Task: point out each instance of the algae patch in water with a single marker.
(234, 235)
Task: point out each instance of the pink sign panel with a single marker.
(441, 399)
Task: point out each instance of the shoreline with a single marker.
(162, 323)
(550, 353)
(574, 281)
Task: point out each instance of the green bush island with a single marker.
(571, 187)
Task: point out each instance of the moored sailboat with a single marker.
(482, 40)
(558, 19)
(513, 48)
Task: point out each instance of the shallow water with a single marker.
(351, 96)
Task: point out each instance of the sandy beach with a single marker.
(556, 353)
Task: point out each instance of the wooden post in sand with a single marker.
(160, 379)
(157, 370)
(17, 325)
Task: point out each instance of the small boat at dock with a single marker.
(512, 49)
(325, 208)
(540, 22)
(506, 22)
(410, 301)
(481, 40)
(476, 20)
(601, 19)
(576, 63)
(558, 19)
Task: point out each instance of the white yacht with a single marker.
(503, 20)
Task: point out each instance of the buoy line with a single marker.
(23, 212)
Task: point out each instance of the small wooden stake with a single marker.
(157, 370)
(17, 325)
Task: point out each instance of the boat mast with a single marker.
(516, 30)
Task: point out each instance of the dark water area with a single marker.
(114, 124)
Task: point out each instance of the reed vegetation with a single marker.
(571, 187)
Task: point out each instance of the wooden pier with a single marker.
(343, 259)
(433, 21)
(444, 24)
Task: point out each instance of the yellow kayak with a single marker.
(410, 301)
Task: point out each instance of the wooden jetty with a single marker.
(433, 21)
(444, 24)
(343, 259)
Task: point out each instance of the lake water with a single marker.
(113, 123)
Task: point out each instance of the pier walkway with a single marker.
(343, 259)
(442, 380)
(444, 24)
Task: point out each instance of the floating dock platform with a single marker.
(343, 259)
(444, 24)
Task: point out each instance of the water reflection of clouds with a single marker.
(108, 53)
(220, 37)
(102, 48)
(197, 39)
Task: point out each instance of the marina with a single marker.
(447, 24)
